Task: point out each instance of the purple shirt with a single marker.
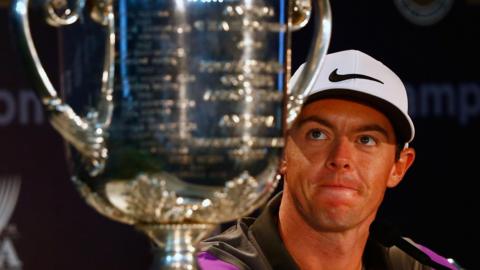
(207, 261)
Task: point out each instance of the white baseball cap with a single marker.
(356, 76)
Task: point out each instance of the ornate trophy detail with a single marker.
(186, 129)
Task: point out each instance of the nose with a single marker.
(340, 156)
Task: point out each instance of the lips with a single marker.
(337, 194)
(336, 190)
(337, 182)
(340, 186)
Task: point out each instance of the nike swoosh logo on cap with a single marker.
(335, 77)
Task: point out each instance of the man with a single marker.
(347, 146)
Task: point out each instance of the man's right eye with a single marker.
(316, 134)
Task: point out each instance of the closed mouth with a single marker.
(340, 186)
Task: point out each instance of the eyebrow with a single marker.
(374, 127)
(322, 121)
(314, 118)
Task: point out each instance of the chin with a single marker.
(332, 226)
(335, 205)
(334, 219)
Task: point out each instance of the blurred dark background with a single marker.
(433, 46)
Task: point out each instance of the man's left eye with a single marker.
(367, 140)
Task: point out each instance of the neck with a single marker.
(315, 249)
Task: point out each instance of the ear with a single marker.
(400, 167)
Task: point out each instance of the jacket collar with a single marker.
(265, 230)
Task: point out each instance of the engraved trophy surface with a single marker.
(185, 130)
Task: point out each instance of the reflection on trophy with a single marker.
(185, 131)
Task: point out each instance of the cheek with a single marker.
(297, 166)
(375, 174)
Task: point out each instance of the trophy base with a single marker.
(175, 244)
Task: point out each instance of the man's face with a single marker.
(339, 159)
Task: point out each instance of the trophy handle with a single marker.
(321, 39)
(85, 134)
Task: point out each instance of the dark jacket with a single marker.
(256, 244)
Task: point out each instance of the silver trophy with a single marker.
(184, 130)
